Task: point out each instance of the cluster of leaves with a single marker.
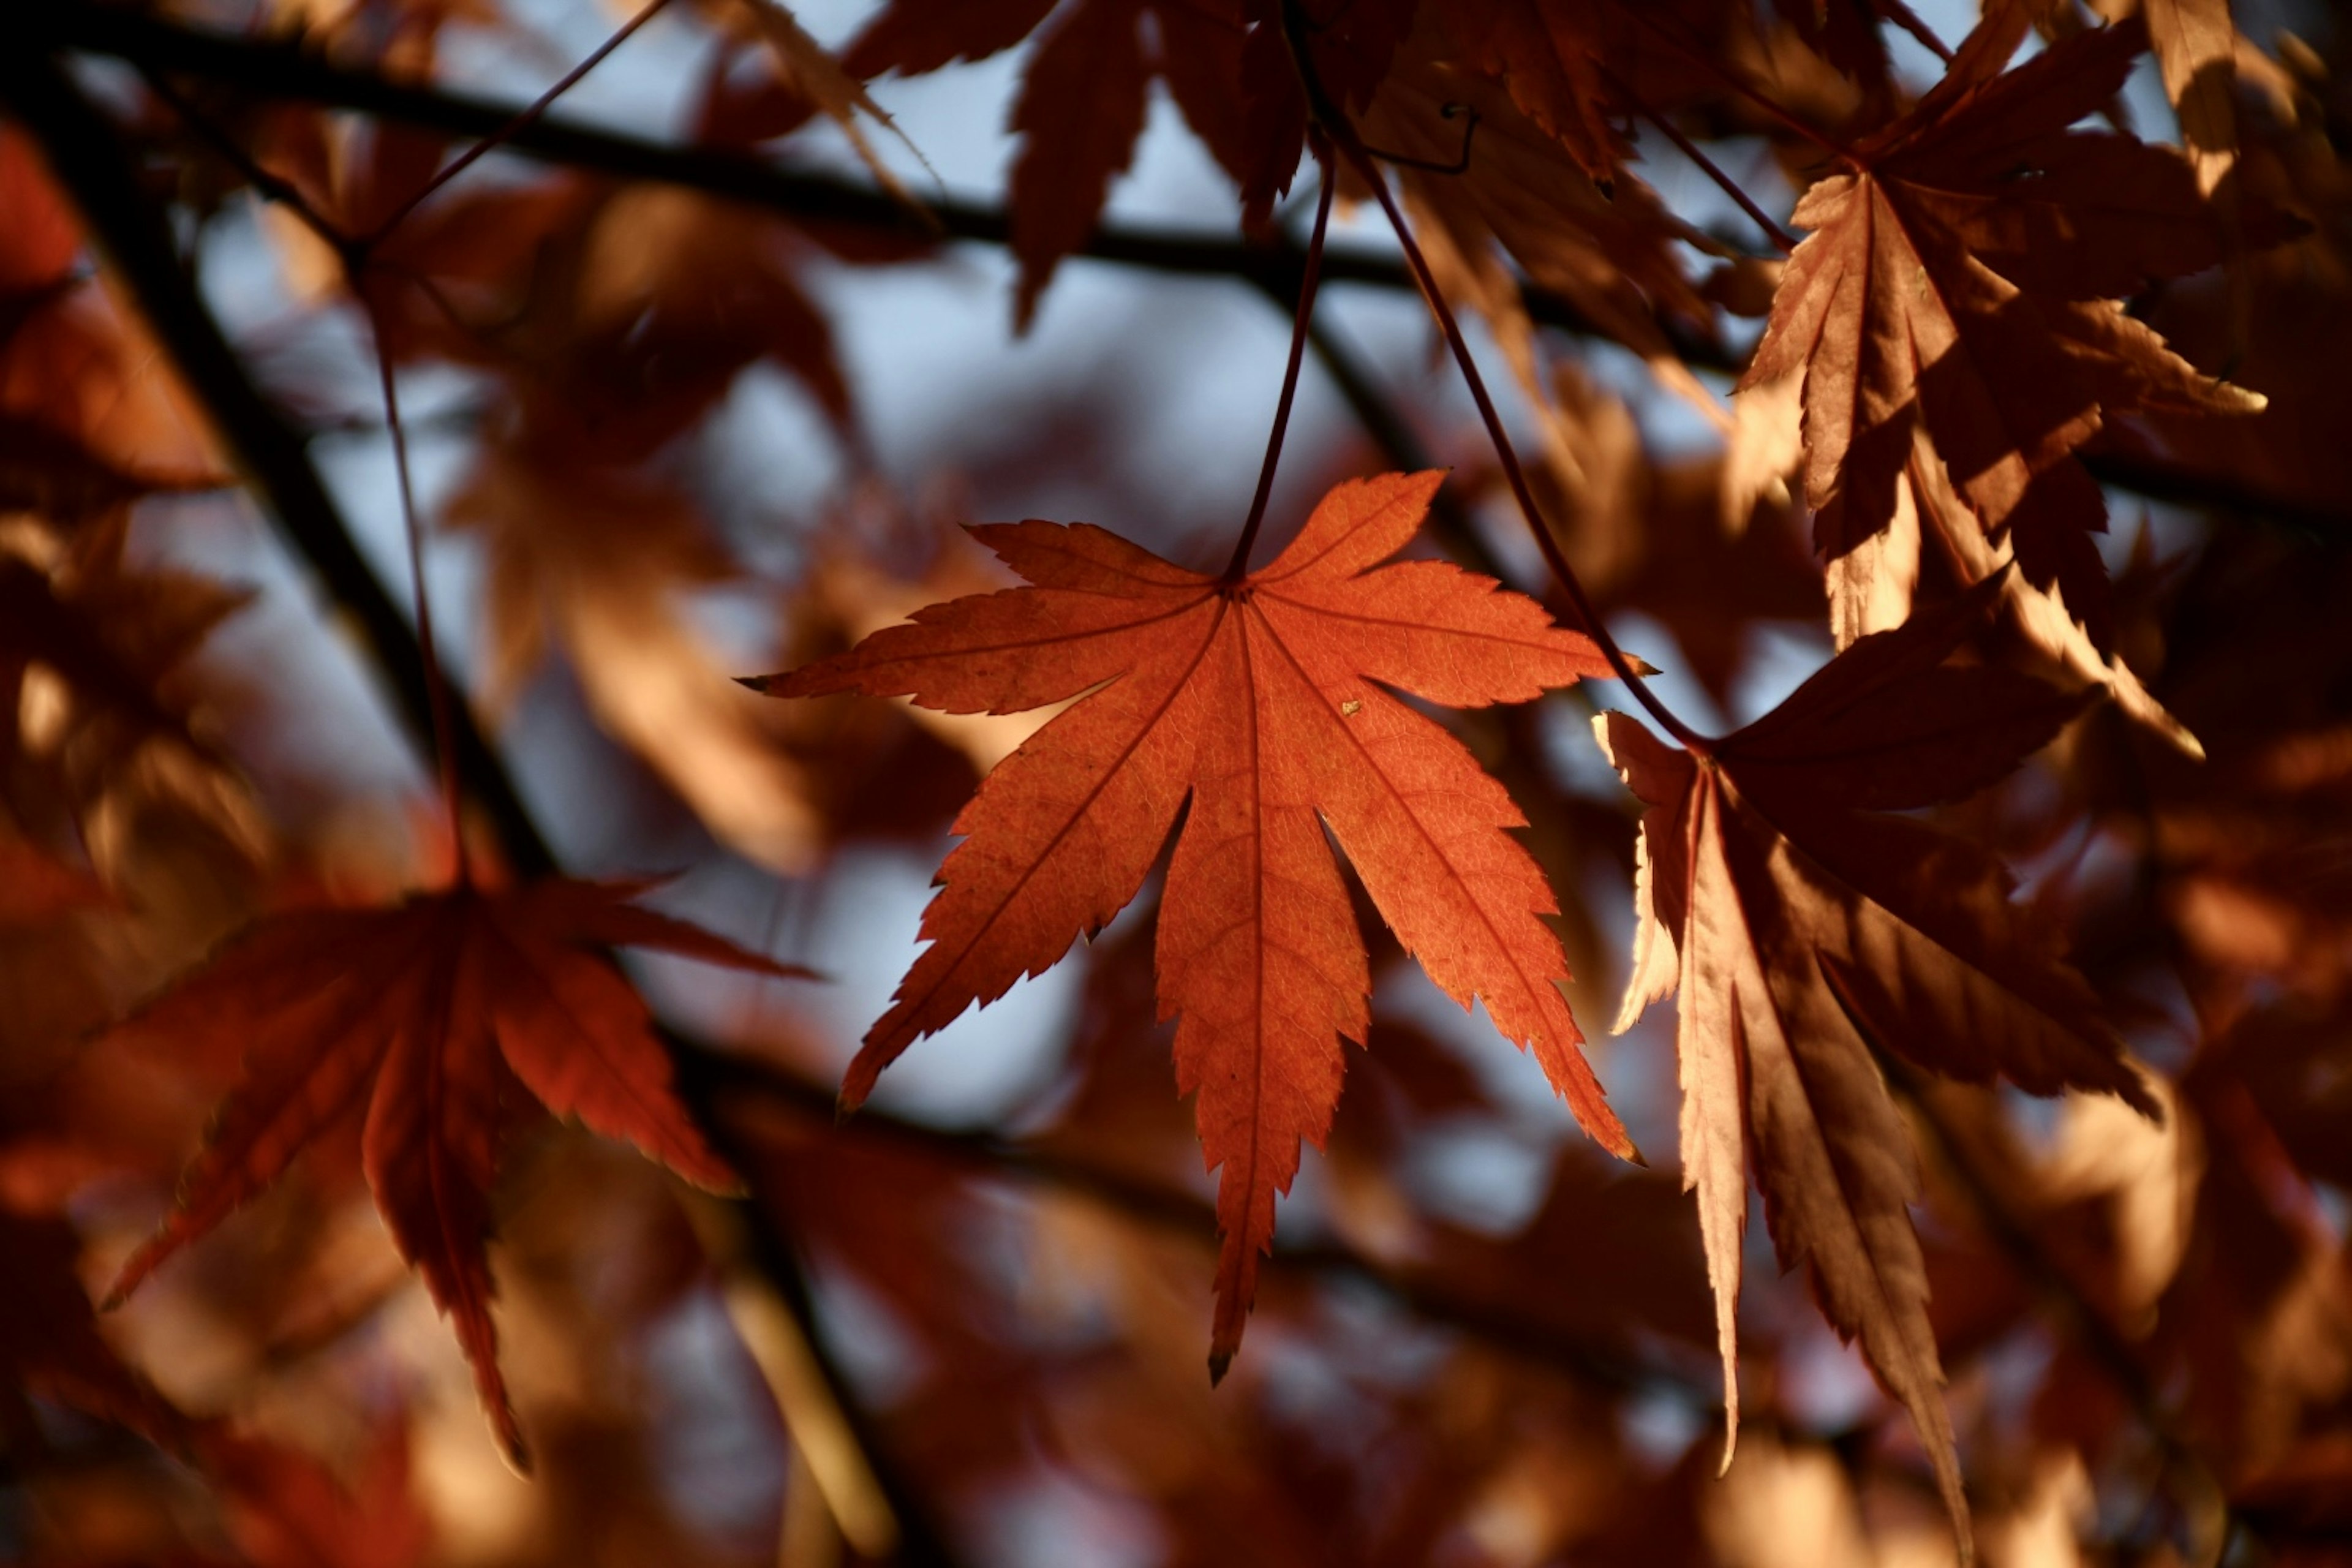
(240, 954)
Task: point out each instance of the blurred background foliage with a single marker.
(691, 392)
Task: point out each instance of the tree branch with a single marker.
(282, 70)
(746, 1083)
(87, 156)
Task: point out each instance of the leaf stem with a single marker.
(355, 256)
(1778, 113)
(523, 119)
(1238, 567)
(1504, 453)
(1781, 239)
(1902, 16)
(272, 186)
(437, 680)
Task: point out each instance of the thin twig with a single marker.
(437, 680)
(1781, 238)
(85, 151)
(1302, 316)
(353, 255)
(1504, 453)
(259, 175)
(1639, 10)
(516, 126)
(276, 69)
(746, 1084)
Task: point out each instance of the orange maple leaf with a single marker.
(1257, 708)
(1807, 929)
(446, 1015)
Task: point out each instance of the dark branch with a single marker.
(747, 1084)
(281, 70)
(88, 157)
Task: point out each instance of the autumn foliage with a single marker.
(1831, 523)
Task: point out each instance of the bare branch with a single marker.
(280, 70)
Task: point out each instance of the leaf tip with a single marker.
(1730, 1419)
(1220, 1361)
(134, 1273)
(758, 683)
(513, 1449)
(1601, 1124)
(2137, 1092)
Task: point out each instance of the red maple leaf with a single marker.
(1257, 709)
(1807, 929)
(445, 1015)
(89, 416)
(1227, 65)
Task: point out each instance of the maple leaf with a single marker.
(443, 1015)
(1084, 94)
(1807, 929)
(1961, 279)
(1082, 100)
(2196, 48)
(89, 416)
(807, 67)
(607, 588)
(1614, 258)
(1582, 73)
(1079, 114)
(1257, 709)
(1553, 61)
(93, 655)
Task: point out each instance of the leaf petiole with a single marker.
(1238, 567)
(1353, 150)
(437, 680)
